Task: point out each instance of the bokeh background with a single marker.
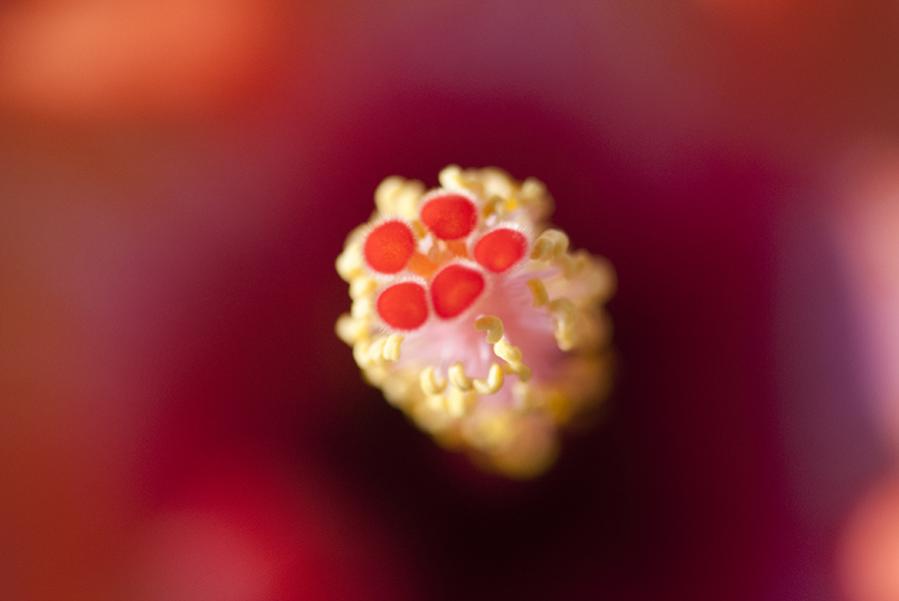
(179, 421)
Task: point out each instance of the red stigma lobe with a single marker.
(500, 249)
(449, 217)
(455, 289)
(389, 247)
(403, 306)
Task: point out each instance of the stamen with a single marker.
(457, 376)
(538, 292)
(455, 289)
(403, 306)
(430, 383)
(493, 382)
(474, 253)
(494, 332)
(389, 247)
(449, 216)
(549, 245)
(500, 249)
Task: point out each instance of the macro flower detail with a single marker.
(475, 318)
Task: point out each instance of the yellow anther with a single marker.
(532, 187)
(505, 351)
(363, 307)
(360, 354)
(350, 329)
(492, 326)
(523, 372)
(502, 348)
(525, 397)
(455, 403)
(397, 391)
(350, 263)
(494, 381)
(489, 431)
(376, 350)
(398, 196)
(565, 314)
(436, 403)
(549, 245)
(567, 264)
(606, 277)
(456, 375)
(450, 177)
(391, 351)
(563, 308)
(580, 261)
(559, 406)
(542, 249)
(430, 383)
(362, 286)
(560, 240)
(538, 292)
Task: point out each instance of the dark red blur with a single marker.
(181, 423)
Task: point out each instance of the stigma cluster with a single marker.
(474, 316)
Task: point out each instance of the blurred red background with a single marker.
(180, 421)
